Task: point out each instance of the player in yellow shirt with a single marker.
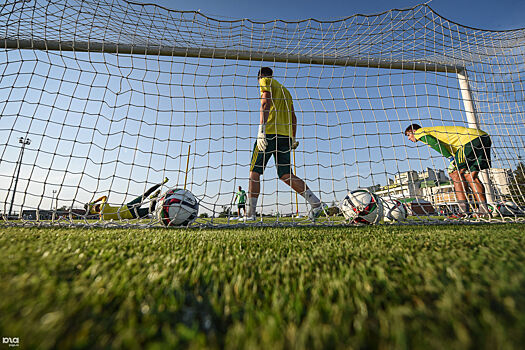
(468, 150)
(276, 137)
(130, 210)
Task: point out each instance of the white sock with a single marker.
(463, 206)
(252, 206)
(311, 198)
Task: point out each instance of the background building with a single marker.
(434, 187)
(501, 180)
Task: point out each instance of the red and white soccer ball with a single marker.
(507, 208)
(177, 207)
(394, 210)
(362, 206)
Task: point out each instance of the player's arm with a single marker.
(436, 145)
(102, 199)
(266, 104)
(294, 123)
(93, 207)
(295, 144)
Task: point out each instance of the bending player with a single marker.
(276, 137)
(130, 210)
(469, 152)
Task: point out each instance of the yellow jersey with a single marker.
(453, 137)
(109, 212)
(280, 118)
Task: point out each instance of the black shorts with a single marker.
(241, 206)
(279, 147)
(475, 155)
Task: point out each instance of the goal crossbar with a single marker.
(157, 50)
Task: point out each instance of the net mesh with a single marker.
(111, 97)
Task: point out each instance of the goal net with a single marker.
(109, 98)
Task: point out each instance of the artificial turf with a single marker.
(431, 287)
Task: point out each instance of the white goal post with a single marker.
(108, 98)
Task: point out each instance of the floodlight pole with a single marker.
(24, 141)
(473, 123)
(53, 199)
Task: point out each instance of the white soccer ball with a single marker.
(362, 206)
(177, 207)
(394, 210)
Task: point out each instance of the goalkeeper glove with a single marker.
(294, 143)
(451, 167)
(261, 138)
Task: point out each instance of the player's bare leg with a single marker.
(478, 190)
(461, 191)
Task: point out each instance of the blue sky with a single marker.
(97, 129)
(482, 14)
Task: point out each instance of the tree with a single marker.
(517, 184)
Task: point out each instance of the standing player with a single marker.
(469, 152)
(276, 136)
(241, 204)
(130, 210)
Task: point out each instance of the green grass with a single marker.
(429, 287)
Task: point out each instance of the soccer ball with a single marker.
(504, 209)
(362, 206)
(394, 210)
(177, 207)
(495, 208)
(508, 208)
